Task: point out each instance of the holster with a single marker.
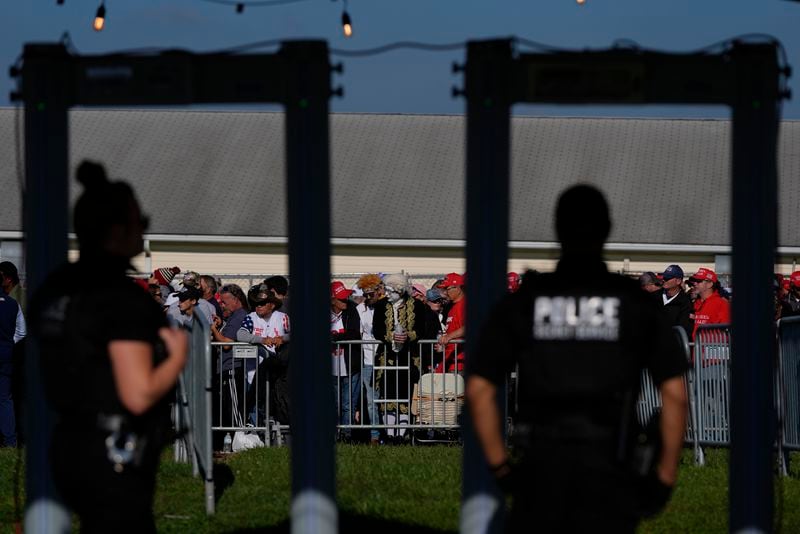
(125, 446)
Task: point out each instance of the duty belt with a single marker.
(567, 430)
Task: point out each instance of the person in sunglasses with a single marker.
(709, 305)
(109, 363)
(372, 287)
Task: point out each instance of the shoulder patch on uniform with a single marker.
(581, 318)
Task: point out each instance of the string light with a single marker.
(100, 18)
(239, 7)
(347, 24)
(581, 2)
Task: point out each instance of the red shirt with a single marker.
(713, 310)
(455, 320)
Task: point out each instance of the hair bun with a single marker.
(91, 175)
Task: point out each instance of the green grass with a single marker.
(393, 489)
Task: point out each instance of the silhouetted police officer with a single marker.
(581, 337)
(109, 365)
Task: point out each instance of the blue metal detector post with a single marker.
(744, 76)
(488, 77)
(299, 77)
(308, 187)
(754, 211)
(44, 78)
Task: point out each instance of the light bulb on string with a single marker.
(100, 18)
(239, 7)
(347, 24)
(581, 2)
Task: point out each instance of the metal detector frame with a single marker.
(746, 77)
(298, 76)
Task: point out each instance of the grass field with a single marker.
(393, 489)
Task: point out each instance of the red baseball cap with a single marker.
(451, 279)
(513, 282)
(705, 274)
(794, 279)
(339, 291)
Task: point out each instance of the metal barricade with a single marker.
(193, 409)
(354, 386)
(408, 389)
(650, 398)
(439, 396)
(239, 394)
(712, 350)
(787, 391)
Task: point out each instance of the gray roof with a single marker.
(402, 176)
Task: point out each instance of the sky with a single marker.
(410, 81)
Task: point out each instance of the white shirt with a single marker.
(338, 367)
(20, 331)
(277, 324)
(368, 351)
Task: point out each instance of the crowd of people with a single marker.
(386, 309)
(701, 299)
(386, 312)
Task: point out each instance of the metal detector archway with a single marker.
(298, 76)
(746, 77)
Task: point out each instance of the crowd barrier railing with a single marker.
(788, 389)
(241, 394)
(193, 410)
(416, 388)
(423, 390)
(405, 390)
(650, 398)
(712, 352)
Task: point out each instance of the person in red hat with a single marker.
(709, 306)
(793, 296)
(512, 280)
(162, 278)
(455, 326)
(346, 364)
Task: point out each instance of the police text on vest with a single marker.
(576, 318)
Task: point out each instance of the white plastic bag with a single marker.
(246, 440)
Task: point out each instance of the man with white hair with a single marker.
(398, 321)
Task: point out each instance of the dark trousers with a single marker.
(105, 501)
(8, 432)
(573, 488)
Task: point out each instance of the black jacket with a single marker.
(678, 311)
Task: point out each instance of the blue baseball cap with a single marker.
(673, 271)
(433, 295)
